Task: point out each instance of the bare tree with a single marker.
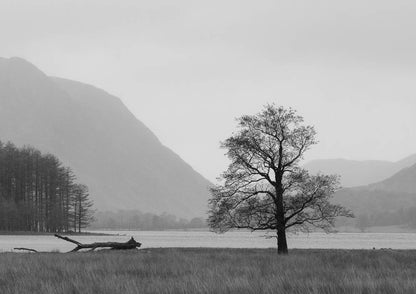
(83, 214)
(264, 187)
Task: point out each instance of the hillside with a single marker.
(358, 173)
(117, 156)
(390, 202)
(404, 181)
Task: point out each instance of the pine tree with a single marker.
(37, 193)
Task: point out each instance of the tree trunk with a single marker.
(27, 249)
(281, 242)
(280, 217)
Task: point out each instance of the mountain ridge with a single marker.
(359, 172)
(115, 154)
(403, 181)
(386, 196)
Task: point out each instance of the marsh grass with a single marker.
(210, 271)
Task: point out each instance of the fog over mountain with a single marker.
(348, 67)
(358, 173)
(117, 156)
(403, 181)
(394, 193)
(382, 192)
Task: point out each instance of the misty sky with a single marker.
(188, 68)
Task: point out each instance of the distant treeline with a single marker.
(37, 193)
(400, 217)
(136, 220)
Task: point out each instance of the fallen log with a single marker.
(26, 249)
(131, 244)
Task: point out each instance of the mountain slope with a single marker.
(389, 195)
(404, 181)
(357, 173)
(117, 156)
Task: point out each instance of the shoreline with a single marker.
(203, 250)
(29, 233)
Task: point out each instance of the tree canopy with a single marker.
(264, 187)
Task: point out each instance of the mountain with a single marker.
(390, 195)
(117, 156)
(357, 173)
(404, 181)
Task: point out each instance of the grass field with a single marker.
(210, 271)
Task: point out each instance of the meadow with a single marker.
(203, 270)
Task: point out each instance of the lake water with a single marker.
(236, 239)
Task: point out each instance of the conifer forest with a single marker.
(39, 194)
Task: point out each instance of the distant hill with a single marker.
(357, 173)
(117, 156)
(388, 196)
(404, 181)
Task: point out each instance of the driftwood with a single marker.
(26, 249)
(131, 244)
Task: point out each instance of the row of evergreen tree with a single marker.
(39, 194)
(137, 220)
(405, 217)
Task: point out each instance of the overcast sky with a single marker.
(188, 68)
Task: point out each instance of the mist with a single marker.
(207, 147)
(187, 70)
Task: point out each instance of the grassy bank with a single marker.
(210, 271)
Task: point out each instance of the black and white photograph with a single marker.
(186, 146)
